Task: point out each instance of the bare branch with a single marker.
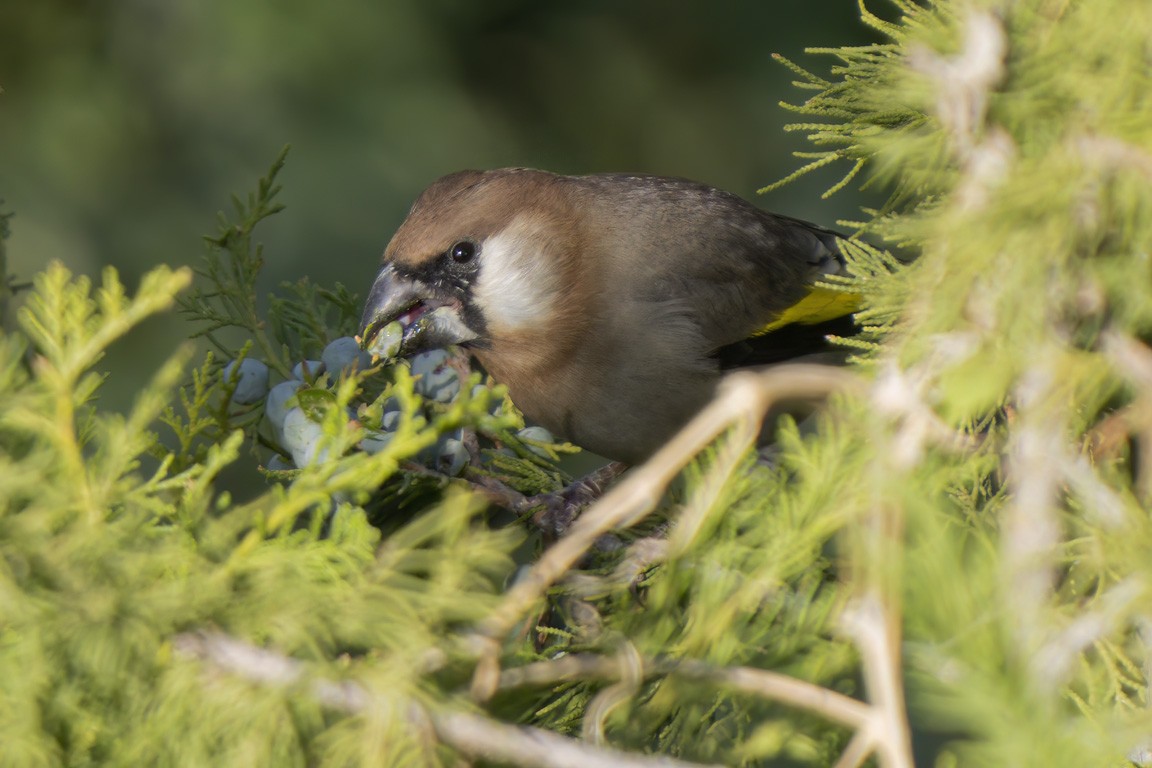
(798, 693)
(901, 395)
(533, 747)
(1114, 153)
(475, 735)
(268, 668)
(966, 80)
(1134, 360)
(1056, 659)
(964, 83)
(640, 555)
(743, 400)
(869, 626)
(702, 502)
(827, 703)
(630, 673)
(1131, 356)
(1031, 525)
(857, 751)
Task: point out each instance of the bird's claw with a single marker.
(561, 508)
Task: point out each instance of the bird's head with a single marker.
(482, 256)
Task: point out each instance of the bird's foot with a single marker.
(561, 508)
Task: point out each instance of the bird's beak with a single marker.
(404, 316)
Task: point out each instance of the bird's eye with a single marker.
(463, 252)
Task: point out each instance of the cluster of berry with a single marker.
(299, 434)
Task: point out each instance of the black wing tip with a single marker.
(784, 344)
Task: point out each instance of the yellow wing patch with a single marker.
(819, 305)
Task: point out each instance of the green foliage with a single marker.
(104, 564)
(960, 538)
(1011, 386)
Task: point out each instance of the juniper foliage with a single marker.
(959, 541)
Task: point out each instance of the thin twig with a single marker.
(743, 400)
(1107, 438)
(705, 493)
(964, 85)
(1031, 525)
(1114, 153)
(266, 667)
(857, 750)
(965, 81)
(871, 629)
(1063, 649)
(778, 687)
(522, 745)
(474, 735)
(641, 555)
(1133, 358)
(766, 684)
(630, 674)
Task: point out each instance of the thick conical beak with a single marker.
(390, 297)
(402, 316)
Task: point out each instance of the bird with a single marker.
(611, 305)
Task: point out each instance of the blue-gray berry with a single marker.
(538, 434)
(343, 354)
(375, 440)
(495, 404)
(436, 380)
(251, 381)
(276, 407)
(307, 370)
(452, 456)
(279, 464)
(302, 438)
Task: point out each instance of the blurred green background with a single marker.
(126, 124)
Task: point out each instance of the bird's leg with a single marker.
(561, 508)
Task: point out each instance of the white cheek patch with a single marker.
(445, 322)
(518, 284)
